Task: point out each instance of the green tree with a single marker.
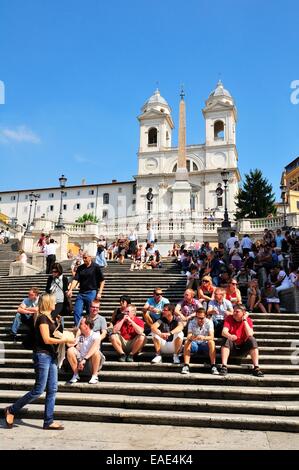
(87, 218)
(256, 198)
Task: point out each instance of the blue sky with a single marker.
(77, 73)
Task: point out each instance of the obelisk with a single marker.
(181, 188)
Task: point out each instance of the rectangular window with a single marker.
(64, 207)
(120, 190)
(219, 201)
(51, 208)
(91, 205)
(77, 207)
(51, 195)
(78, 193)
(12, 198)
(64, 194)
(91, 192)
(0, 198)
(298, 205)
(26, 197)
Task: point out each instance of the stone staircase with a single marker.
(140, 392)
(8, 253)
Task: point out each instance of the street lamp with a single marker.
(62, 182)
(225, 175)
(283, 190)
(31, 199)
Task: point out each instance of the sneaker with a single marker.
(157, 359)
(257, 372)
(94, 379)
(176, 359)
(74, 379)
(223, 370)
(130, 358)
(122, 358)
(185, 369)
(214, 370)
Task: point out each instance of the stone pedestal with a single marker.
(62, 238)
(89, 244)
(224, 234)
(22, 269)
(39, 261)
(27, 243)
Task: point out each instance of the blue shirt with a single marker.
(30, 303)
(160, 305)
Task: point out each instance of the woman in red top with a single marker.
(232, 293)
(206, 290)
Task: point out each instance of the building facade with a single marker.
(151, 192)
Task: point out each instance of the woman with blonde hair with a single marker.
(45, 364)
(206, 290)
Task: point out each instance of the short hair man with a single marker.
(186, 308)
(128, 336)
(238, 339)
(153, 307)
(26, 310)
(219, 308)
(168, 335)
(200, 339)
(85, 352)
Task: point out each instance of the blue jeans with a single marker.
(18, 321)
(83, 299)
(218, 326)
(46, 379)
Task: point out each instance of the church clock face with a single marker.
(151, 164)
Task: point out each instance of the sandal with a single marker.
(54, 426)
(9, 418)
(257, 372)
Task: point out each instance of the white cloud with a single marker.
(19, 134)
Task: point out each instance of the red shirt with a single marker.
(127, 331)
(237, 328)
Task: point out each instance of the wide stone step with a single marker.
(275, 408)
(175, 418)
(196, 391)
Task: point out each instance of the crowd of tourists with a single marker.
(223, 286)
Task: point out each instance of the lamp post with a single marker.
(31, 199)
(283, 190)
(225, 175)
(36, 198)
(62, 182)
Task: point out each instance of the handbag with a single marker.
(68, 304)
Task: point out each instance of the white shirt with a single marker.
(150, 235)
(132, 237)
(85, 342)
(231, 242)
(50, 249)
(286, 281)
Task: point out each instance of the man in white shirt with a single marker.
(86, 348)
(150, 237)
(230, 242)
(50, 253)
(283, 282)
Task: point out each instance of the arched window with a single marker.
(152, 137)
(106, 198)
(219, 130)
(195, 167)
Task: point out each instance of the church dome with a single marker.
(220, 91)
(156, 101)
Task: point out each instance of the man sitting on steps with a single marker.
(168, 335)
(25, 312)
(238, 338)
(128, 336)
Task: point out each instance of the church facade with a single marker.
(171, 182)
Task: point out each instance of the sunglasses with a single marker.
(205, 281)
(158, 294)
